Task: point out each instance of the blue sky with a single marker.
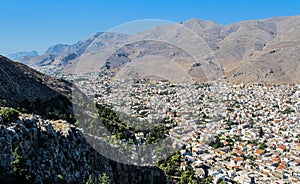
(37, 24)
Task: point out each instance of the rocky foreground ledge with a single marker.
(34, 150)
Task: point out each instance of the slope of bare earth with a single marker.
(278, 61)
(156, 67)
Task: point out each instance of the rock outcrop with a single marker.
(35, 150)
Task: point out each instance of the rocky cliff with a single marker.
(34, 150)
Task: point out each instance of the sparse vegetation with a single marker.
(262, 146)
(216, 143)
(20, 168)
(221, 181)
(90, 180)
(9, 114)
(104, 179)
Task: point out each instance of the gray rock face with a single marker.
(47, 150)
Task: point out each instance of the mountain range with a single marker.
(198, 50)
(18, 55)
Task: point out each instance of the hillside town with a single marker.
(245, 133)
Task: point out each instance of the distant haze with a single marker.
(18, 55)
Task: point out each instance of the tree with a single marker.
(9, 114)
(216, 143)
(171, 165)
(90, 180)
(187, 177)
(104, 179)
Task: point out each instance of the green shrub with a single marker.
(90, 180)
(9, 114)
(104, 179)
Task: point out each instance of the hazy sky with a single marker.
(37, 24)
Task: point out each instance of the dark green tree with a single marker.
(187, 177)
